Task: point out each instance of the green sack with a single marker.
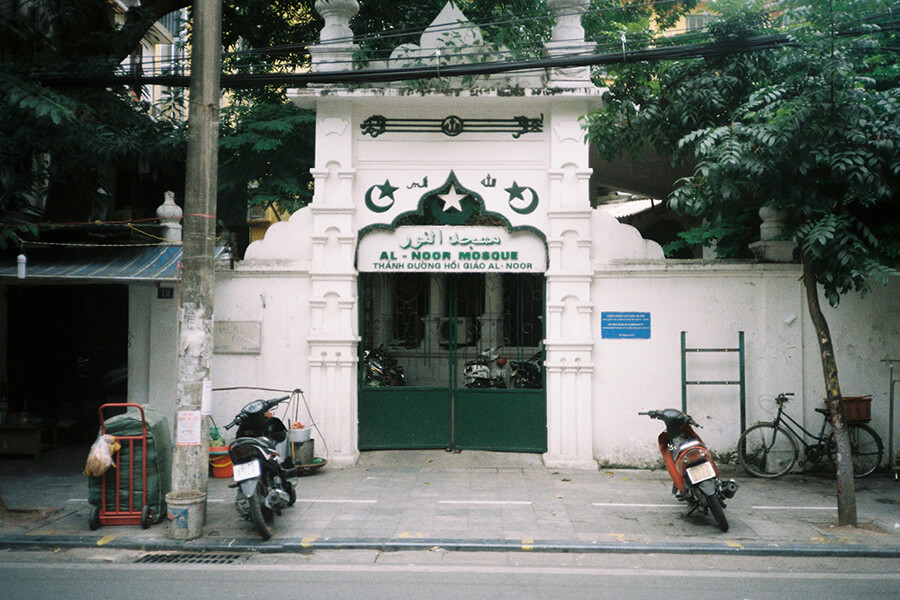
(159, 465)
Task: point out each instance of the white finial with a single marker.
(169, 215)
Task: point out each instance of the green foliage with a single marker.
(730, 237)
(382, 25)
(654, 105)
(269, 36)
(521, 26)
(812, 129)
(80, 133)
(265, 154)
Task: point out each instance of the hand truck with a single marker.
(133, 515)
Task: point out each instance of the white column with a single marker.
(569, 343)
(333, 338)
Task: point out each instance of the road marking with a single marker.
(794, 507)
(513, 502)
(410, 534)
(336, 501)
(633, 505)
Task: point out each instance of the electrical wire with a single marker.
(178, 63)
(707, 50)
(888, 18)
(463, 25)
(676, 44)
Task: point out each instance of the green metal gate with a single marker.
(429, 326)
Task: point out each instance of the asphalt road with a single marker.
(96, 574)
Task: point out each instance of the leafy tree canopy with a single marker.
(812, 128)
(83, 132)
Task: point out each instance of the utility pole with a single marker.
(194, 387)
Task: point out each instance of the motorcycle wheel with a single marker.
(262, 517)
(718, 511)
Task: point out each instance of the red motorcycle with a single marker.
(695, 477)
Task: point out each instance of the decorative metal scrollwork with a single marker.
(374, 126)
(452, 125)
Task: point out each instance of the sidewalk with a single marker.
(481, 501)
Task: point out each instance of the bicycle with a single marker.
(769, 448)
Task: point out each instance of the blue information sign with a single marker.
(625, 325)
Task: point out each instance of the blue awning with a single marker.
(99, 264)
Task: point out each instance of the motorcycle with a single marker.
(527, 374)
(382, 370)
(486, 371)
(262, 465)
(695, 476)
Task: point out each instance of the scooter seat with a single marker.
(267, 441)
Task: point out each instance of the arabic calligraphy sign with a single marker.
(451, 249)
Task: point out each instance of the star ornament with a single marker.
(515, 191)
(452, 200)
(386, 189)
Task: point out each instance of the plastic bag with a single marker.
(100, 455)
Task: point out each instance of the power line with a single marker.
(706, 50)
(669, 48)
(451, 27)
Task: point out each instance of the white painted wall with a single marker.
(712, 302)
(280, 303)
(152, 349)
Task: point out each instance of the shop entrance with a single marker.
(452, 360)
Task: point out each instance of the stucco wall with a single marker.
(712, 302)
(279, 302)
(152, 349)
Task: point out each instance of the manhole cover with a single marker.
(205, 558)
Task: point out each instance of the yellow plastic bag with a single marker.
(100, 456)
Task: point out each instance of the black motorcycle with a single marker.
(527, 374)
(380, 370)
(261, 459)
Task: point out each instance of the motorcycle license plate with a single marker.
(701, 472)
(247, 470)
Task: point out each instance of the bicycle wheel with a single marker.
(865, 448)
(766, 450)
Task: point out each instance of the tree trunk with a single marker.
(846, 491)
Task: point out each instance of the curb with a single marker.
(307, 545)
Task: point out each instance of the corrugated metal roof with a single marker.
(112, 264)
(628, 208)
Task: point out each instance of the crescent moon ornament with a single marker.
(387, 191)
(516, 192)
